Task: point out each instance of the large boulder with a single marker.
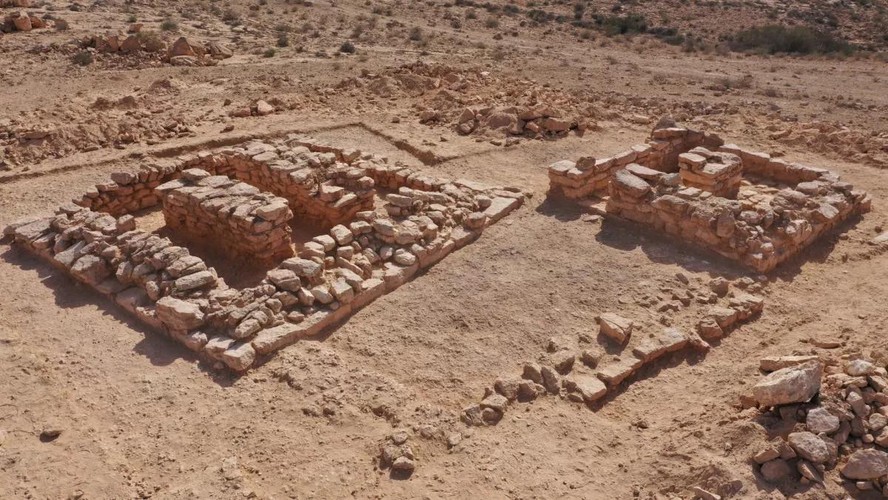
(866, 464)
(616, 327)
(629, 184)
(181, 47)
(795, 384)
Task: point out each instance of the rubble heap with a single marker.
(335, 274)
(182, 52)
(746, 206)
(237, 217)
(841, 424)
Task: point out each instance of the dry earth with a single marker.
(140, 417)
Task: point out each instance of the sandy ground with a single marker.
(142, 418)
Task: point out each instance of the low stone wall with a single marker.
(320, 187)
(759, 230)
(236, 217)
(713, 199)
(588, 176)
(335, 274)
(718, 173)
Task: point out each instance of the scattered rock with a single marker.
(809, 446)
(866, 464)
(615, 327)
(820, 420)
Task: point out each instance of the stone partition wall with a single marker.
(338, 272)
(718, 173)
(324, 186)
(589, 176)
(236, 217)
(746, 206)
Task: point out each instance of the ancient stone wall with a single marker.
(758, 229)
(589, 176)
(236, 217)
(336, 273)
(744, 205)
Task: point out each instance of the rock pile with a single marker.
(335, 274)
(841, 424)
(559, 373)
(472, 101)
(182, 52)
(533, 122)
(759, 226)
(21, 21)
(396, 455)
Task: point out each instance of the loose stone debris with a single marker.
(744, 205)
(836, 413)
(396, 455)
(243, 198)
(588, 375)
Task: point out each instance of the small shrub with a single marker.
(169, 25)
(231, 17)
(492, 23)
(415, 34)
(61, 25)
(150, 41)
(83, 58)
(269, 52)
(347, 47)
(283, 40)
(777, 39)
(623, 25)
(132, 18)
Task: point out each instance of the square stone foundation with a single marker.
(373, 242)
(749, 207)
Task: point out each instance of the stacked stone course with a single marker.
(237, 217)
(744, 205)
(360, 258)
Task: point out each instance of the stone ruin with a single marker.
(381, 223)
(747, 206)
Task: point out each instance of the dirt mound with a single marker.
(825, 137)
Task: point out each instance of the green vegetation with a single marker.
(347, 47)
(778, 39)
(169, 25)
(83, 58)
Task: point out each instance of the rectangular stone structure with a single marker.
(235, 216)
(380, 244)
(749, 207)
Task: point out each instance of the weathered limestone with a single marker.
(233, 215)
(795, 384)
(241, 199)
(721, 198)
